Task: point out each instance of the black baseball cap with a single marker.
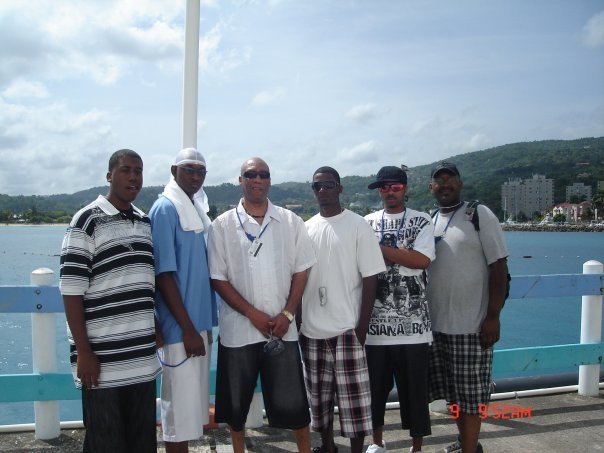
(388, 174)
(449, 166)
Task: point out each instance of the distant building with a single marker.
(600, 185)
(573, 212)
(527, 196)
(579, 190)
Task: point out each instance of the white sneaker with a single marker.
(411, 450)
(373, 448)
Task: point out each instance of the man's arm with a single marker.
(489, 332)
(367, 301)
(298, 283)
(88, 366)
(192, 340)
(411, 259)
(231, 296)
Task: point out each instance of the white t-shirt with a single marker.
(458, 281)
(347, 251)
(263, 280)
(400, 314)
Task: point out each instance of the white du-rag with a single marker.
(191, 215)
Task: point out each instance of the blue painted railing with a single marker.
(59, 386)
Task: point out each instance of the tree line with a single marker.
(483, 173)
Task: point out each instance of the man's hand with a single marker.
(159, 338)
(361, 335)
(280, 325)
(88, 369)
(261, 321)
(489, 331)
(193, 342)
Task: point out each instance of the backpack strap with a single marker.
(472, 214)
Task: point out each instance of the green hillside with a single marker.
(483, 173)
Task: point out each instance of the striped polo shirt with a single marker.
(107, 257)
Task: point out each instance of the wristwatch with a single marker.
(288, 315)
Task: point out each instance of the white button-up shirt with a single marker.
(263, 280)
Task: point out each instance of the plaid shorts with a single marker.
(338, 366)
(460, 371)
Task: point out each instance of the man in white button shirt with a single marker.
(259, 257)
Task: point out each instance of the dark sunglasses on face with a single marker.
(253, 174)
(318, 185)
(194, 171)
(396, 187)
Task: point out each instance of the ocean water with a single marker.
(529, 322)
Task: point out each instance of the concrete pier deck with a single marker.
(557, 423)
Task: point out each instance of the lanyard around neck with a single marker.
(449, 221)
(250, 236)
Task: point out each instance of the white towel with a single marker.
(191, 214)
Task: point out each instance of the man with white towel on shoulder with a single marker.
(185, 303)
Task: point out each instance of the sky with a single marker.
(354, 84)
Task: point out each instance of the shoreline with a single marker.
(552, 227)
(549, 227)
(10, 225)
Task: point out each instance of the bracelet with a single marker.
(288, 315)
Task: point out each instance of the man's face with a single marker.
(189, 177)
(328, 194)
(393, 195)
(255, 181)
(125, 181)
(446, 188)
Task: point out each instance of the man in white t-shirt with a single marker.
(336, 308)
(398, 342)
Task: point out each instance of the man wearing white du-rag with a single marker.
(185, 303)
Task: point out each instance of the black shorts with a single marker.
(407, 365)
(120, 419)
(282, 381)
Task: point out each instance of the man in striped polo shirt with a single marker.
(107, 282)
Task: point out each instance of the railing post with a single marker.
(591, 332)
(44, 353)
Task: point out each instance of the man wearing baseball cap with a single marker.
(399, 329)
(466, 293)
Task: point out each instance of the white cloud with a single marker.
(268, 97)
(361, 153)
(363, 113)
(593, 32)
(23, 89)
(355, 85)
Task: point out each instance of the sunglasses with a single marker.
(253, 174)
(397, 187)
(194, 171)
(318, 185)
(274, 346)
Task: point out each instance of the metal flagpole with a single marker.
(191, 74)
